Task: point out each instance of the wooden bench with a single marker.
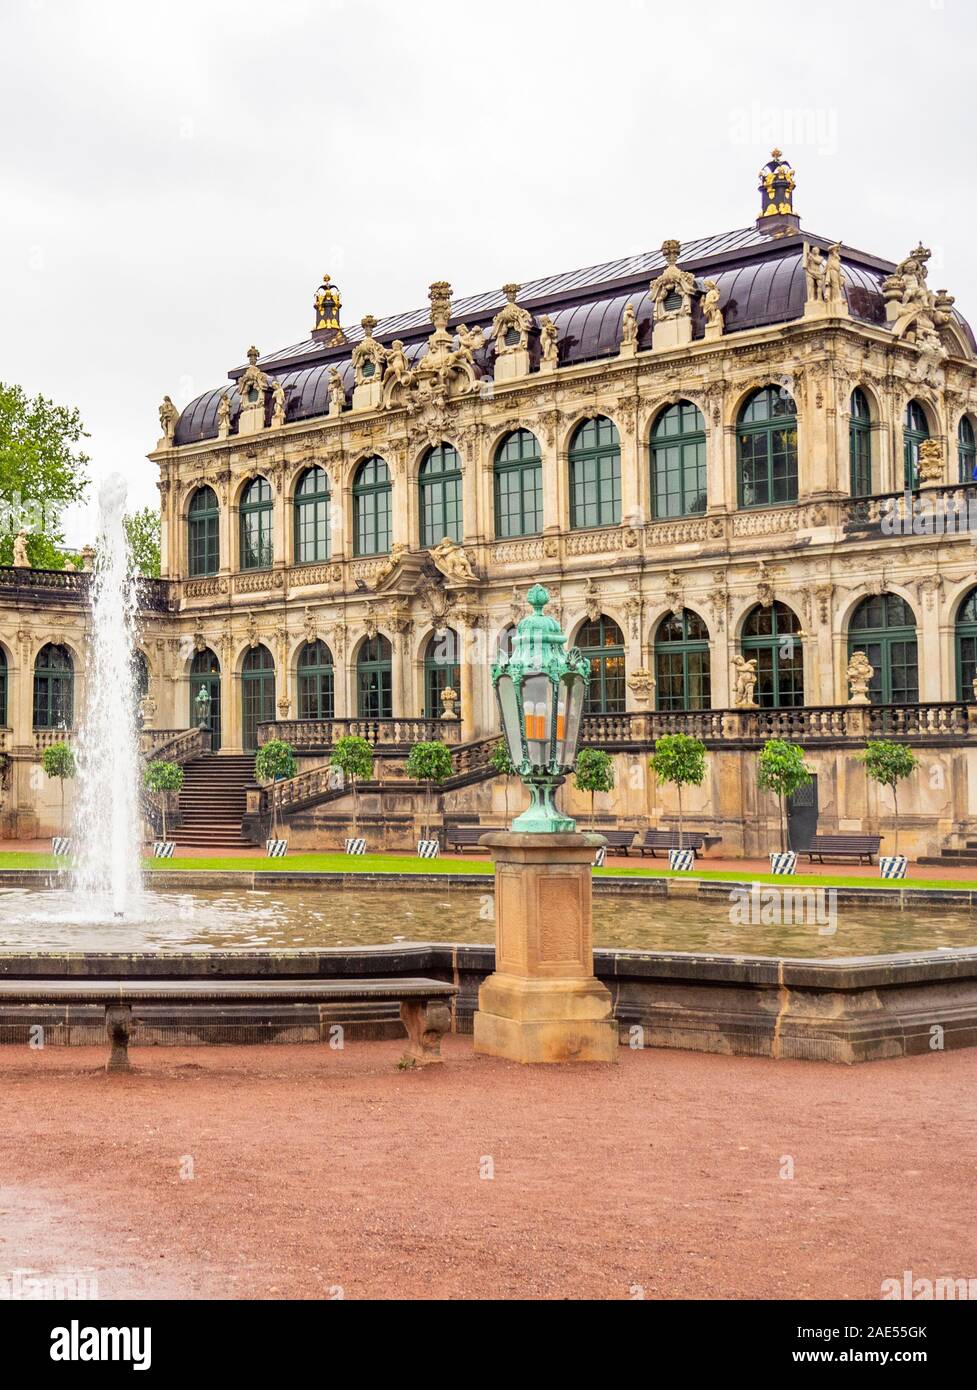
(843, 847)
(618, 840)
(467, 836)
(655, 840)
(423, 1003)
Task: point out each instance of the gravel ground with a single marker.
(316, 1171)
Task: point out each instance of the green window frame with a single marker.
(518, 486)
(371, 508)
(915, 430)
(678, 461)
(203, 533)
(602, 642)
(257, 514)
(966, 644)
(3, 687)
(374, 682)
(441, 670)
(766, 449)
(439, 490)
(682, 663)
(595, 475)
(316, 682)
(54, 688)
(883, 626)
(966, 451)
(257, 694)
(311, 516)
(771, 637)
(205, 673)
(860, 445)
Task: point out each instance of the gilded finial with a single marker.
(253, 355)
(327, 304)
(776, 190)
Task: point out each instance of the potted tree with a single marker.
(429, 763)
(681, 760)
(59, 761)
(781, 770)
(274, 761)
(501, 762)
(160, 778)
(887, 764)
(353, 757)
(594, 772)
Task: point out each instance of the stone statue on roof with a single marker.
(511, 325)
(672, 292)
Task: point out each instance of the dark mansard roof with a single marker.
(760, 279)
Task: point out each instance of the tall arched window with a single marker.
(374, 685)
(54, 688)
(3, 687)
(770, 637)
(682, 662)
(966, 452)
(257, 519)
(595, 474)
(860, 445)
(915, 429)
(203, 533)
(766, 444)
(316, 682)
(312, 516)
(441, 670)
(518, 486)
(967, 647)
(257, 694)
(678, 461)
(205, 674)
(602, 642)
(883, 626)
(371, 508)
(439, 486)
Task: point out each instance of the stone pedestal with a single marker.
(543, 1003)
(510, 365)
(368, 395)
(671, 333)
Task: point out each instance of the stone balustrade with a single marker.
(174, 745)
(71, 586)
(318, 734)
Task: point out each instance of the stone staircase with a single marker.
(212, 801)
(953, 858)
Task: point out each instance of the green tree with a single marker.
(142, 530)
(888, 763)
(59, 761)
(353, 757)
(593, 772)
(41, 473)
(501, 763)
(159, 778)
(781, 770)
(681, 760)
(429, 763)
(274, 761)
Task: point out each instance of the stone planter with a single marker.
(893, 865)
(163, 849)
(600, 857)
(60, 846)
(681, 859)
(356, 846)
(428, 849)
(784, 862)
(277, 849)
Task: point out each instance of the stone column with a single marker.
(543, 1003)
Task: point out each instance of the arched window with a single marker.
(205, 674)
(371, 508)
(966, 452)
(439, 485)
(883, 626)
(374, 698)
(915, 430)
(312, 516)
(766, 444)
(203, 533)
(682, 662)
(3, 687)
(860, 445)
(770, 637)
(678, 461)
(518, 486)
(967, 648)
(54, 688)
(257, 694)
(316, 682)
(257, 514)
(441, 670)
(595, 474)
(602, 641)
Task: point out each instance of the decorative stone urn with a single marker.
(859, 675)
(449, 698)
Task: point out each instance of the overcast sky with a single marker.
(177, 177)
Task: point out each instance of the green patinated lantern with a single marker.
(541, 688)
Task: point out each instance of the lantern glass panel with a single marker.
(538, 704)
(573, 693)
(505, 691)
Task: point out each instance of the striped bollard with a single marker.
(600, 857)
(428, 849)
(785, 863)
(356, 846)
(60, 846)
(681, 860)
(163, 849)
(276, 848)
(893, 865)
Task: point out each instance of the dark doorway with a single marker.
(802, 815)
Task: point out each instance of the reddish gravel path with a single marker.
(315, 1169)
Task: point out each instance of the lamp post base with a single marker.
(543, 1003)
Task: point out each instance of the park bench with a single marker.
(655, 840)
(423, 1003)
(843, 847)
(467, 836)
(618, 840)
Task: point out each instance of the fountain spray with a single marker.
(108, 806)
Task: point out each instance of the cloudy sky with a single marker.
(176, 178)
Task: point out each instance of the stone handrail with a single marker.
(861, 512)
(174, 745)
(321, 734)
(72, 586)
(941, 719)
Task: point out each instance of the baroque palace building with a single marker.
(741, 466)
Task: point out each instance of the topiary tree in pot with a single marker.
(887, 764)
(59, 761)
(429, 763)
(593, 772)
(274, 762)
(781, 770)
(681, 760)
(159, 778)
(353, 757)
